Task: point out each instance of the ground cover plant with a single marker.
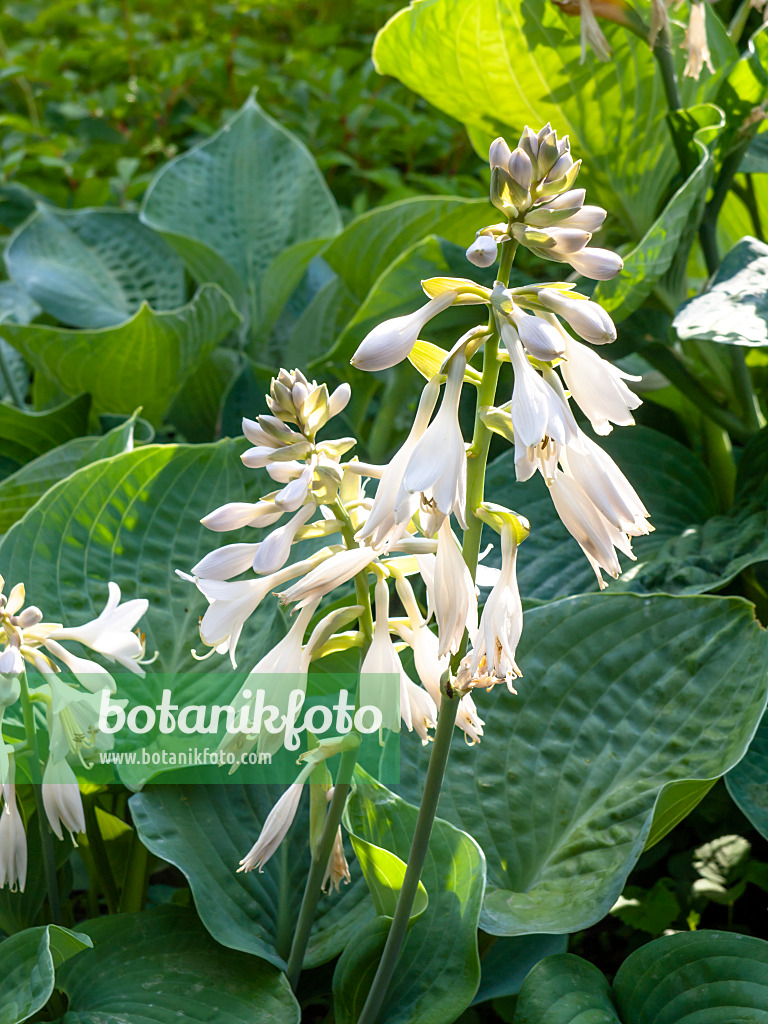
(413, 389)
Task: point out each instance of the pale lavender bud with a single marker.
(587, 318)
(597, 264)
(499, 154)
(520, 168)
(483, 251)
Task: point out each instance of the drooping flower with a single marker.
(274, 830)
(331, 573)
(62, 800)
(380, 665)
(13, 842)
(587, 318)
(696, 41)
(275, 550)
(338, 869)
(598, 387)
(607, 487)
(501, 623)
(454, 596)
(390, 342)
(74, 721)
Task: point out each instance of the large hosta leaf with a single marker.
(20, 490)
(28, 964)
(24, 435)
(206, 830)
(231, 205)
(495, 64)
(134, 518)
(150, 968)
(94, 268)
(621, 696)
(734, 309)
(439, 967)
(143, 361)
(717, 977)
(748, 781)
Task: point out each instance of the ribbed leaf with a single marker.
(26, 435)
(28, 963)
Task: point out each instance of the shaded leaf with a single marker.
(24, 435)
(28, 962)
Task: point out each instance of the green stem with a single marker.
(362, 590)
(427, 810)
(319, 865)
(745, 393)
(662, 51)
(665, 360)
(135, 882)
(99, 854)
(46, 835)
(718, 456)
(284, 916)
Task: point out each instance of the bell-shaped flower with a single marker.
(607, 487)
(111, 632)
(61, 799)
(437, 467)
(501, 624)
(381, 665)
(587, 318)
(454, 597)
(230, 606)
(381, 521)
(391, 342)
(11, 662)
(468, 720)
(696, 42)
(597, 538)
(236, 514)
(417, 709)
(274, 830)
(591, 34)
(13, 842)
(226, 562)
(275, 550)
(430, 667)
(598, 388)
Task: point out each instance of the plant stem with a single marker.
(718, 456)
(46, 835)
(362, 590)
(99, 853)
(319, 865)
(662, 51)
(745, 393)
(477, 456)
(427, 811)
(135, 882)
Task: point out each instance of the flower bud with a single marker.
(562, 165)
(483, 251)
(588, 218)
(520, 168)
(529, 143)
(554, 186)
(499, 154)
(587, 318)
(338, 400)
(597, 264)
(11, 663)
(390, 342)
(548, 153)
(557, 209)
(29, 617)
(541, 339)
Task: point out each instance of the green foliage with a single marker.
(29, 961)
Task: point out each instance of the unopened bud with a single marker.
(520, 168)
(499, 154)
(597, 264)
(548, 153)
(338, 400)
(11, 663)
(483, 251)
(29, 617)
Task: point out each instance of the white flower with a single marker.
(380, 664)
(417, 708)
(597, 264)
(390, 342)
(236, 514)
(61, 799)
(541, 339)
(423, 642)
(74, 718)
(607, 487)
(295, 493)
(111, 633)
(557, 210)
(483, 251)
(339, 399)
(274, 830)
(468, 720)
(94, 677)
(587, 318)
(13, 842)
(11, 663)
(598, 387)
(437, 467)
(274, 551)
(230, 606)
(334, 571)
(499, 154)
(696, 41)
(226, 562)
(587, 525)
(381, 520)
(501, 624)
(454, 596)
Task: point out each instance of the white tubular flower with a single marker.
(540, 338)
(284, 472)
(338, 869)
(423, 642)
(381, 521)
(454, 593)
(596, 264)
(598, 387)
(275, 550)
(230, 606)
(591, 34)
(90, 674)
(381, 662)
(226, 562)
(607, 487)
(334, 571)
(597, 538)
(295, 493)
(696, 42)
(538, 413)
(11, 663)
(111, 632)
(437, 468)
(61, 799)
(659, 20)
(417, 709)
(274, 830)
(13, 842)
(483, 251)
(587, 318)
(390, 342)
(236, 514)
(501, 624)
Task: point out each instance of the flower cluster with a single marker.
(72, 710)
(401, 538)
